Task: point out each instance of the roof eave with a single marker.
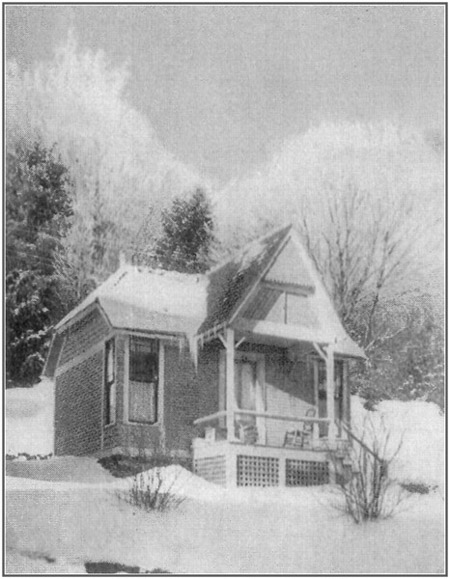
(64, 324)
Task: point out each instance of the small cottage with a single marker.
(243, 369)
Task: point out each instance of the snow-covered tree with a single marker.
(77, 102)
(38, 211)
(187, 235)
(368, 200)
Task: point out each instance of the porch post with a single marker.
(330, 394)
(229, 382)
(316, 430)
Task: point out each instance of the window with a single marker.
(338, 379)
(143, 380)
(110, 383)
(338, 392)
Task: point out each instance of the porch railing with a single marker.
(224, 413)
(272, 429)
(366, 450)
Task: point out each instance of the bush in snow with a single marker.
(152, 491)
(418, 487)
(370, 493)
(124, 466)
(25, 456)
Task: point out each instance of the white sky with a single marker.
(224, 86)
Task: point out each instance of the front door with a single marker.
(249, 394)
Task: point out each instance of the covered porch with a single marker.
(284, 405)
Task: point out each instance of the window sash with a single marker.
(143, 373)
(142, 405)
(143, 360)
(110, 382)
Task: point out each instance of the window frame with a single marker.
(110, 412)
(158, 384)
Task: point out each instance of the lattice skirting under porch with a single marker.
(256, 466)
(212, 468)
(306, 473)
(257, 471)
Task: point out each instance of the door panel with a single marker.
(249, 393)
(245, 384)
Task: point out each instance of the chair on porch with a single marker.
(248, 433)
(301, 437)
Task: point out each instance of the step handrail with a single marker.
(363, 445)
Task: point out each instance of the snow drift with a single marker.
(29, 419)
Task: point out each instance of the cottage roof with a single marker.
(171, 303)
(230, 282)
(149, 300)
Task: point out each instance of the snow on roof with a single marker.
(170, 293)
(150, 300)
(147, 299)
(129, 316)
(172, 303)
(230, 282)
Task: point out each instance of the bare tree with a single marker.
(363, 250)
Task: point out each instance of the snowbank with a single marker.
(177, 480)
(72, 523)
(29, 419)
(416, 428)
(61, 469)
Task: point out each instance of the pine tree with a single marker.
(38, 208)
(187, 235)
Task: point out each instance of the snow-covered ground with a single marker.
(63, 512)
(415, 428)
(29, 419)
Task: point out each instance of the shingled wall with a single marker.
(79, 388)
(188, 394)
(79, 428)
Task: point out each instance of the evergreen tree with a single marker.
(38, 208)
(187, 235)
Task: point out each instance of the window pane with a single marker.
(109, 385)
(112, 403)
(143, 360)
(142, 403)
(143, 380)
(110, 361)
(338, 378)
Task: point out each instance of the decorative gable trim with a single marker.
(289, 288)
(95, 305)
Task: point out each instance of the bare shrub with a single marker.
(369, 493)
(150, 492)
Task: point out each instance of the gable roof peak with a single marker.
(231, 281)
(252, 247)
